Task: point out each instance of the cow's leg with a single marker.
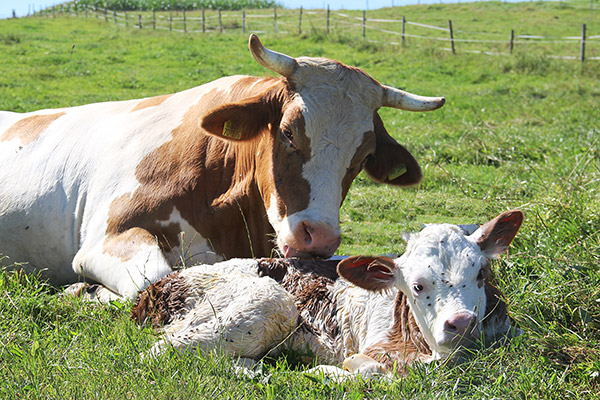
(125, 263)
(92, 292)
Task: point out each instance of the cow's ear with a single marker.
(495, 236)
(391, 163)
(370, 273)
(238, 121)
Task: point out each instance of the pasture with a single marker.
(520, 131)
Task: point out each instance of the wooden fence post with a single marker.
(220, 22)
(105, 14)
(364, 24)
(275, 19)
(184, 22)
(328, 19)
(403, 29)
(203, 21)
(512, 40)
(140, 21)
(451, 36)
(583, 43)
(300, 22)
(126, 20)
(154, 19)
(170, 21)
(115, 16)
(243, 21)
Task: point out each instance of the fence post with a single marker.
(300, 22)
(105, 14)
(403, 28)
(154, 19)
(115, 16)
(451, 36)
(512, 40)
(583, 43)
(364, 24)
(275, 19)
(243, 21)
(328, 19)
(220, 22)
(126, 20)
(203, 21)
(184, 22)
(170, 21)
(140, 21)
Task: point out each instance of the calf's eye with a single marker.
(287, 135)
(418, 288)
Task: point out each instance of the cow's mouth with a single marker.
(289, 251)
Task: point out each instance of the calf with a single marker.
(378, 315)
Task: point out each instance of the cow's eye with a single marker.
(480, 274)
(418, 288)
(287, 135)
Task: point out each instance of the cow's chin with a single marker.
(289, 251)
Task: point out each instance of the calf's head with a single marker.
(444, 275)
(314, 130)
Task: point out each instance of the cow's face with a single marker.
(322, 129)
(443, 274)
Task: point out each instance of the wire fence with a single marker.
(395, 32)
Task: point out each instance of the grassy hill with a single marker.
(519, 131)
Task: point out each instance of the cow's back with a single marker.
(64, 168)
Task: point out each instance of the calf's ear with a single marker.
(391, 163)
(238, 121)
(370, 273)
(495, 236)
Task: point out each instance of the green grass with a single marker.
(519, 131)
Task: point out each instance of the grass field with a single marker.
(516, 132)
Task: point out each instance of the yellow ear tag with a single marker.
(231, 131)
(396, 172)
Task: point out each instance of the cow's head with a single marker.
(443, 274)
(321, 128)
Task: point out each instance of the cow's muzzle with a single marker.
(312, 239)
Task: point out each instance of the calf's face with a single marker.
(443, 274)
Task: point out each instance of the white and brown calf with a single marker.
(379, 313)
(120, 192)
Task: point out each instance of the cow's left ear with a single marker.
(370, 273)
(495, 236)
(238, 121)
(391, 163)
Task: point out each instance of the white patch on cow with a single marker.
(193, 247)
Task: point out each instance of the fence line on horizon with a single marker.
(376, 30)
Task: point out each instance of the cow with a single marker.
(121, 192)
(372, 315)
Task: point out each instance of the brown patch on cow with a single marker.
(28, 129)
(127, 244)
(150, 102)
(366, 149)
(289, 159)
(310, 282)
(405, 343)
(217, 185)
(392, 163)
(160, 302)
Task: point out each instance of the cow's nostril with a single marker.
(448, 327)
(308, 234)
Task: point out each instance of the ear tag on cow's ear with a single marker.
(232, 131)
(396, 172)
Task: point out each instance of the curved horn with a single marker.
(397, 98)
(277, 62)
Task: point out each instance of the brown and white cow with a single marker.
(119, 192)
(379, 315)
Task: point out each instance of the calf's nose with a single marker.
(461, 324)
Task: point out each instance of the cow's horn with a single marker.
(277, 62)
(397, 98)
